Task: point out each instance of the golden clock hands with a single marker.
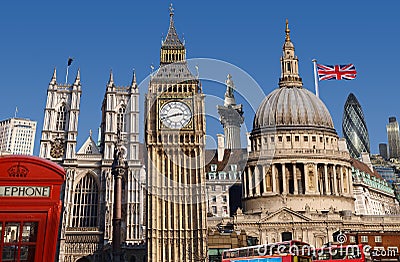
(168, 116)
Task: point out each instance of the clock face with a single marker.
(175, 115)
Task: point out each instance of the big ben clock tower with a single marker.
(175, 136)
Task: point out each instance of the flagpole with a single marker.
(70, 59)
(66, 76)
(315, 77)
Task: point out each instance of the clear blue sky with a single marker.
(37, 36)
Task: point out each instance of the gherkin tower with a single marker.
(354, 127)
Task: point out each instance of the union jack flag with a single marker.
(338, 72)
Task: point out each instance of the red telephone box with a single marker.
(30, 208)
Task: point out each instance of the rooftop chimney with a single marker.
(367, 160)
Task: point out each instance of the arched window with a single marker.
(61, 118)
(121, 119)
(86, 198)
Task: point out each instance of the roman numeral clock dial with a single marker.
(175, 115)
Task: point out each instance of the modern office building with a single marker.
(383, 150)
(354, 127)
(387, 172)
(393, 137)
(17, 136)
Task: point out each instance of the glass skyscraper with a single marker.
(354, 127)
(393, 137)
(383, 151)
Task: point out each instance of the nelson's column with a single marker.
(175, 137)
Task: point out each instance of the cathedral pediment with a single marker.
(285, 215)
(89, 147)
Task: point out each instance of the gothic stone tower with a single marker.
(60, 125)
(175, 135)
(120, 110)
(231, 117)
(88, 191)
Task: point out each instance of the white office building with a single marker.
(17, 136)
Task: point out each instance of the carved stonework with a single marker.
(285, 216)
(57, 148)
(311, 176)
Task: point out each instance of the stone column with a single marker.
(341, 180)
(274, 189)
(306, 191)
(327, 191)
(264, 178)
(295, 185)
(284, 182)
(250, 182)
(350, 183)
(245, 176)
(316, 178)
(345, 182)
(118, 169)
(334, 191)
(257, 179)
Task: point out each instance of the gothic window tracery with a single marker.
(121, 121)
(61, 118)
(85, 205)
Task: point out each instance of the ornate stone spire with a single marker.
(172, 39)
(54, 77)
(289, 64)
(134, 84)
(78, 77)
(172, 49)
(111, 79)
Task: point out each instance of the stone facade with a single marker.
(297, 182)
(88, 192)
(373, 195)
(223, 180)
(175, 141)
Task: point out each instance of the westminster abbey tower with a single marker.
(86, 225)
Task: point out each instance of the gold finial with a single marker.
(171, 10)
(287, 30)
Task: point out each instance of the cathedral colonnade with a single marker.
(296, 178)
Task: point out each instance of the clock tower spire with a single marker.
(175, 141)
(172, 49)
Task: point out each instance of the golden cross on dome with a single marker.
(287, 30)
